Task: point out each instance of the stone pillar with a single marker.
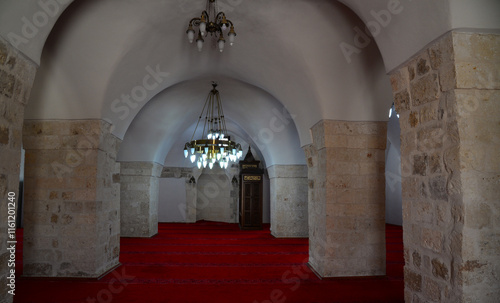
(288, 200)
(71, 209)
(139, 198)
(16, 79)
(347, 198)
(448, 99)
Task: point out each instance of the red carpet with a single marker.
(216, 262)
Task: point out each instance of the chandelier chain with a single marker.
(215, 145)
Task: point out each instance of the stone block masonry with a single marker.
(448, 99)
(16, 79)
(139, 194)
(72, 198)
(217, 197)
(289, 194)
(346, 166)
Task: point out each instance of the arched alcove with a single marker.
(216, 198)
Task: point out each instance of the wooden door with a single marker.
(251, 203)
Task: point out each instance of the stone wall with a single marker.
(217, 196)
(449, 104)
(72, 206)
(190, 175)
(139, 198)
(16, 79)
(289, 200)
(210, 194)
(347, 198)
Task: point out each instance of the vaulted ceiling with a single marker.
(294, 63)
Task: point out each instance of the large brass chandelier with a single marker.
(215, 146)
(214, 22)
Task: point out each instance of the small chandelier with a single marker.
(213, 22)
(215, 146)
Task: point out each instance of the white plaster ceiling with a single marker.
(286, 54)
(414, 24)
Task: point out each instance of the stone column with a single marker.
(71, 209)
(139, 198)
(288, 200)
(347, 198)
(448, 99)
(16, 79)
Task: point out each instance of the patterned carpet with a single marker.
(217, 262)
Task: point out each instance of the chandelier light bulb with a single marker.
(192, 150)
(203, 25)
(190, 34)
(224, 22)
(211, 165)
(186, 153)
(199, 44)
(199, 164)
(193, 158)
(231, 35)
(221, 45)
(204, 163)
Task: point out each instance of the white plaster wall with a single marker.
(172, 201)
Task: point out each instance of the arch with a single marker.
(26, 25)
(308, 73)
(167, 122)
(402, 28)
